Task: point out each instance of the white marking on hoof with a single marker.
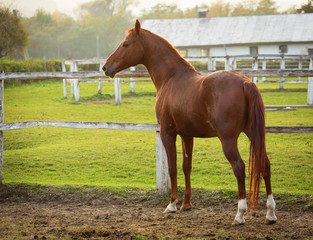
(171, 208)
(242, 208)
(270, 214)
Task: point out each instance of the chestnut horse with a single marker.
(222, 104)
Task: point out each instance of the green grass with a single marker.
(117, 159)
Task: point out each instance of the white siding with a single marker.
(194, 52)
(299, 48)
(293, 49)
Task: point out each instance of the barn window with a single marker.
(183, 52)
(254, 51)
(205, 52)
(283, 49)
(310, 51)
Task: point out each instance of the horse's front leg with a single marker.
(169, 142)
(187, 144)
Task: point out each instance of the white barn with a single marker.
(290, 34)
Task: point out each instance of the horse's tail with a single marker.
(256, 133)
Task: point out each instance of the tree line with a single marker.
(100, 26)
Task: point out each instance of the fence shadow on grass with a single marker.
(287, 90)
(100, 97)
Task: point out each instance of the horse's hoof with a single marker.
(182, 208)
(171, 208)
(236, 223)
(169, 211)
(269, 222)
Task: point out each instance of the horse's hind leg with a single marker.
(270, 204)
(231, 152)
(187, 144)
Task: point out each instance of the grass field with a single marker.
(119, 159)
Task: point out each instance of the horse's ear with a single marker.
(137, 27)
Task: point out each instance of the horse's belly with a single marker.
(201, 129)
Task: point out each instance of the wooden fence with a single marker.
(75, 76)
(162, 179)
(230, 63)
(278, 61)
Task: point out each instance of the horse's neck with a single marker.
(162, 60)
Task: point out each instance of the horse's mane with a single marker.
(172, 50)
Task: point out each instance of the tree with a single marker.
(100, 26)
(266, 7)
(290, 10)
(162, 10)
(240, 10)
(13, 38)
(192, 12)
(219, 9)
(254, 7)
(105, 20)
(42, 31)
(250, 6)
(308, 8)
(65, 27)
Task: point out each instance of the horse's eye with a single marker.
(125, 44)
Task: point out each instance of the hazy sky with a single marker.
(28, 7)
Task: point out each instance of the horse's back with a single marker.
(223, 81)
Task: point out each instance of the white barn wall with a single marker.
(293, 49)
(300, 48)
(194, 52)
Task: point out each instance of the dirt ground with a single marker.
(38, 212)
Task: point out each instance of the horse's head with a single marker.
(129, 53)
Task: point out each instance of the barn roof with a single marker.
(234, 30)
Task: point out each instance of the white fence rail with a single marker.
(75, 76)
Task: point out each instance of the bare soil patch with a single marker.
(39, 212)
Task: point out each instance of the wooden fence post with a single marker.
(100, 83)
(214, 64)
(255, 63)
(210, 63)
(162, 177)
(227, 63)
(264, 68)
(76, 83)
(117, 88)
(282, 67)
(310, 85)
(234, 63)
(300, 66)
(72, 83)
(1, 132)
(132, 80)
(64, 80)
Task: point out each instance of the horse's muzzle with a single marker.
(109, 71)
